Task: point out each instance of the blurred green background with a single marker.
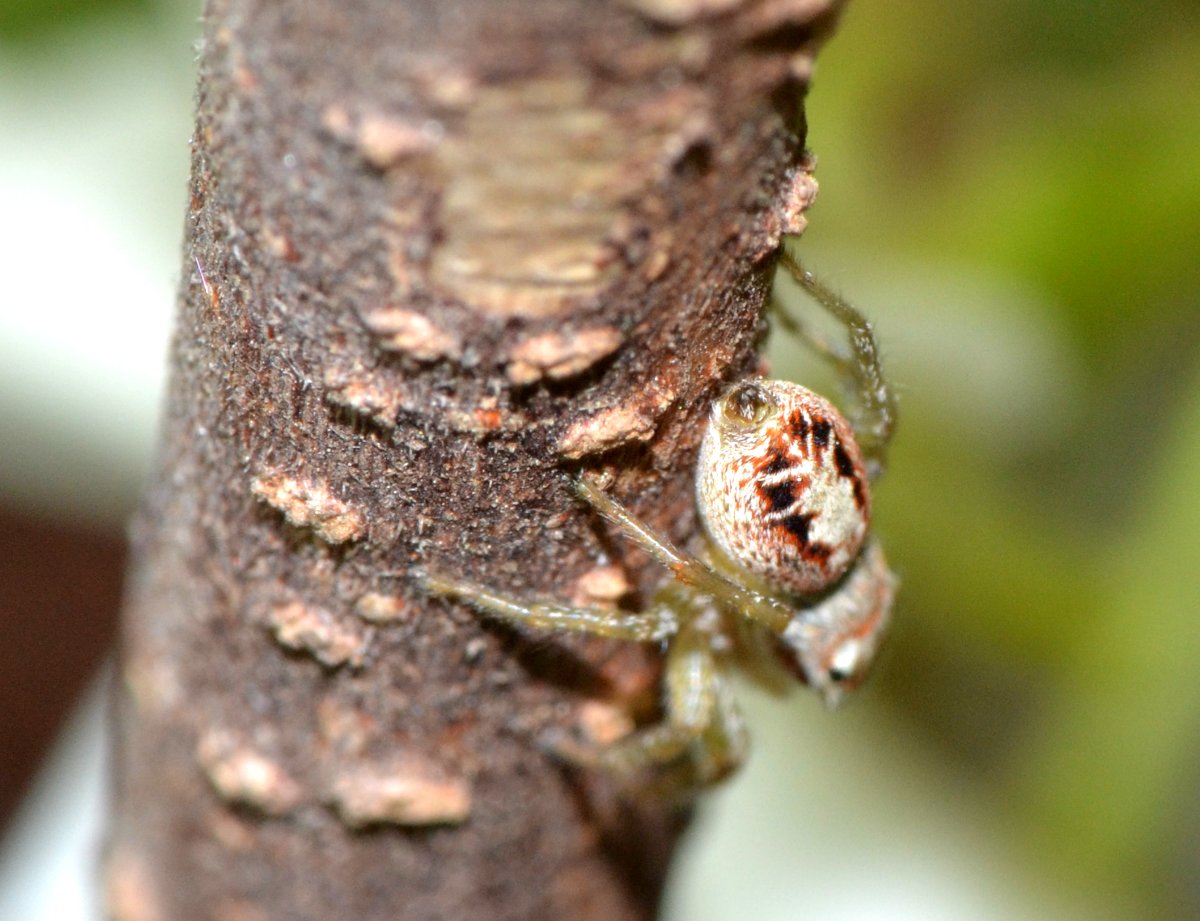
(1011, 191)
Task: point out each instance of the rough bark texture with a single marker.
(437, 254)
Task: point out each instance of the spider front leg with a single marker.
(875, 419)
(686, 569)
(651, 626)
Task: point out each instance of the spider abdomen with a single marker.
(781, 485)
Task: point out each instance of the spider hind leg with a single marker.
(700, 741)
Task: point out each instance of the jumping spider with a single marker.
(788, 574)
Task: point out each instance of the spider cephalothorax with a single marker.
(788, 565)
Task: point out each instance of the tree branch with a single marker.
(437, 253)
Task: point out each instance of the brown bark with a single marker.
(437, 254)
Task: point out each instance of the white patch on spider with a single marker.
(846, 658)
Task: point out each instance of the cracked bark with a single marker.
(437, 253)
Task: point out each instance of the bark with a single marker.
(437, 254)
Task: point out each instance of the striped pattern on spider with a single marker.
(789, 574)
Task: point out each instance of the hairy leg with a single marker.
(687, 569)
(653, 625)
(691, 684)
(876, 416)
(708, 757)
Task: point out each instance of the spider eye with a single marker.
(747, 405)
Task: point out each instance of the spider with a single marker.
(788, 575)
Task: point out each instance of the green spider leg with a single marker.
(722, 748)
(874, 419)
(701, 739)
(653, 625)
(687, 569)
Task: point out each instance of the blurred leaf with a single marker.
(1002, 152)
(29, 20)
(1115, 755)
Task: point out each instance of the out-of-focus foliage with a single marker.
(1012, 191)
(24, 20)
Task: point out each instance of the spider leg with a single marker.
(757, 655)
(691, 682)
(712, 756)
(876, 417)
(723, 747)
(654, 625)
(687, 569)
(834, 354)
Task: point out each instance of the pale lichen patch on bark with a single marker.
(242, 774)
(446, 85)
(363, 392)
(401, 793)
(309, 503)
(602, 585)
(385, 140)
(779, 16)
(560, 355)
(532, 238)
(401, 330)
(308, 628)
(798, 197)
(377, 608)
(632, 421)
